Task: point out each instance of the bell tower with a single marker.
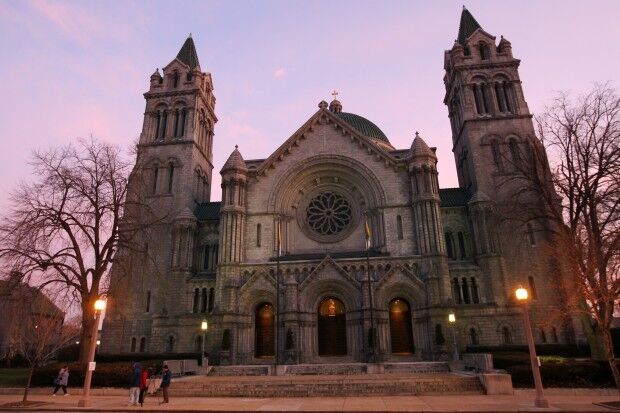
(491, 122)
(176, 143)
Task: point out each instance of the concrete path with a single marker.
(522, 401)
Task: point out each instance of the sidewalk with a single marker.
(521, 401)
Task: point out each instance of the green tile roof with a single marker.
(188, 54)
(454, 197)
(467, 26)
(208, 211)
(363, 126)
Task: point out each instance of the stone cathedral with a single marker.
(281, 265)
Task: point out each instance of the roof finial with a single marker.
(236, 146)
(417, 135)
(464, 8)
(190, 34)
(335, 94)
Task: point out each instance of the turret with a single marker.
(234, 180)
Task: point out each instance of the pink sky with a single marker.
(71, 69)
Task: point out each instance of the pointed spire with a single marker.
(467, 26)
(188, 54)
(420, 148)
(235, 161)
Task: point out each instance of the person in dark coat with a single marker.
(166, 378)
(62, 380)
(134, 384)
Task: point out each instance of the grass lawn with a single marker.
(13, 377)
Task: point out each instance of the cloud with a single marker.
(279, 73)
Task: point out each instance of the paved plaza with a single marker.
(561, 400)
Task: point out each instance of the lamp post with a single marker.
(85, 401)
(522, 297)
(204, 326)
(452, 321)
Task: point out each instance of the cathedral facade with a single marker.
(338, 247)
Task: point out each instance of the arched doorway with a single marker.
(401, 333)
(332, 328)
(264, 328)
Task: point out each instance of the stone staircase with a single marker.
(328, 385)
(258, 370)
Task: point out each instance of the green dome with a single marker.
(363, 126)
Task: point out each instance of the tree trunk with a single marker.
(594, 337)
(88, 318)
(25, 398)
(609, 351)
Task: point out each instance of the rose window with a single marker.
(329, 213)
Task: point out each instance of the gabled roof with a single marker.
(208, 211)
(467, 26)
(188, 54)
(454, 197)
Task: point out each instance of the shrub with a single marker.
(565, 373)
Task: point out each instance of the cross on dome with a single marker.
(335, 94)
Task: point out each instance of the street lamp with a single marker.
(522, 297)
(204, 326)
(85, 401)
(452, 321)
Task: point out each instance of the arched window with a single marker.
(473, 337)
(462, 245)
(175, 79)
(514, 152)
(157, 124)
(196, 300)
(497, 155)
(170, 177)
(508, 96)
(258, 235)
(203, 301)
(450, 245)
(475, 295)
(264, 330)
(155, 176)
(399, 226)
(211, 299)
(485, 51)
(530, 234)
(170, 344)
(207, 259)
(133, 345)
(543, 336)
(481, 98)
(164, 124)
(148, 301)
(183, 119)
(465, 289)
(401, 332)
(142, 345)
(532, 285)
(332, 328)
(500, 97)
(456, 291)
(177, 118)
(506, 335)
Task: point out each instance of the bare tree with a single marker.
(573, 190)
(36, 328)
(65, 227)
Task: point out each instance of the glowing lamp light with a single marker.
(98, 342)
(452, 318)
(99, 305)
(521, 294)
(204, 325)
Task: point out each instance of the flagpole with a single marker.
(372, 320)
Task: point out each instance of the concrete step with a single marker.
(240, 371)
(417, 367)
(328, 385)
(326, 369)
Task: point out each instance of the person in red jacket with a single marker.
(144, 378)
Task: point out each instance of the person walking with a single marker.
(166, 378)
(144, 384)
(134, 384)
(62, 380)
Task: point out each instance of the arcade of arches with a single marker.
(332, 328)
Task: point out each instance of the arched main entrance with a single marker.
(401, 333)
(332, 328)
(264, 328)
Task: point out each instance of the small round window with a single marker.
(329, 213)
